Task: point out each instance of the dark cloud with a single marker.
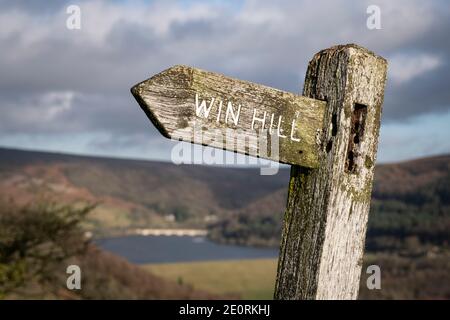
(36, 7)
(265, 42)
(428, 93)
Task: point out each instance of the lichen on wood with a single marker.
(327, 207)
(169, 100)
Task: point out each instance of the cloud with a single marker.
(35, 111)
(58, 81)
(404, 67)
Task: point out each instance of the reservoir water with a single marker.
(165, 249)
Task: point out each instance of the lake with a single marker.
(165, 249)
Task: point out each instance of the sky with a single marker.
(68, 90)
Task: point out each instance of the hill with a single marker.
(411, 197)
(134, 193)
(409, 200)
(39, 241)
(408, 225)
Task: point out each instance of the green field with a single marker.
(250, 279)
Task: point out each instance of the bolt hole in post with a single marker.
(334, 130)
(334, 125)
(358, 122)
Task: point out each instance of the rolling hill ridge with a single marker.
(237, 204)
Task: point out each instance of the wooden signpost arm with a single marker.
(327, 210)
(230, 114)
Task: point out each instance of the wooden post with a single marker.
(327, 210)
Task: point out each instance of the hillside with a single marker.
(244, 207)
(134, 193)
(37, 244)
(408, 234)
(410, 200)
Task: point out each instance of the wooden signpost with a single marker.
(329, 136)
(182, 98)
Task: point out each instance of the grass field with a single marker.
(251, 279)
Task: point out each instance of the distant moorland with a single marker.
(409, 223)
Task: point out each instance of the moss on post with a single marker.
(327, 208)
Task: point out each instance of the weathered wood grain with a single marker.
(326, 217)
(240, 112)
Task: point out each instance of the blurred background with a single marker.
(85, 178)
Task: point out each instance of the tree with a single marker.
(36, 238)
